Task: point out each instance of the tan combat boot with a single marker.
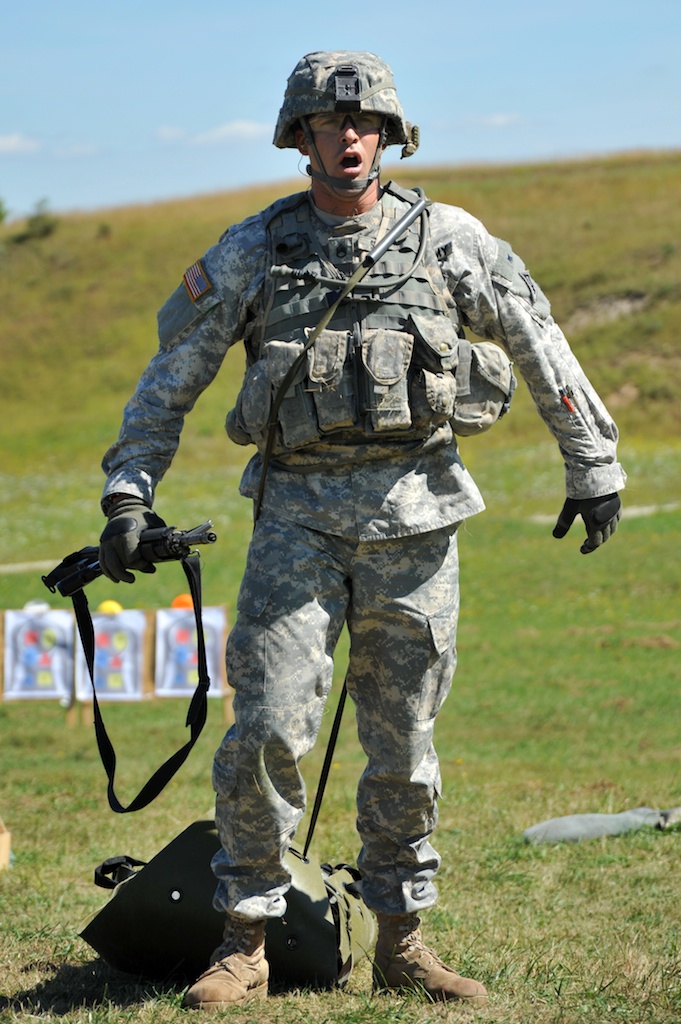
(239, 971)
(402, 961)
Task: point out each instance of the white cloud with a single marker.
(18, 145)
(166, 133)
(500, 120)
(233, 131)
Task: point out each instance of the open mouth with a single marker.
(350, 161)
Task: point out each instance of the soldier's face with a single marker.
(346, 146)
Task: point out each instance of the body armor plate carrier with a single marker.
(385, 368)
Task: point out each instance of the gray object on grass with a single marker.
(574, 827)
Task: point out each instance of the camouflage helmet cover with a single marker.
(312, 89)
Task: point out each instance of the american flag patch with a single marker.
(196, 282)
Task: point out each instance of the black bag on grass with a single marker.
(160, 922)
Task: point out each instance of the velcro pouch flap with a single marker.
(281, 355)
(386, 354)
(327, 356)
(437, 341)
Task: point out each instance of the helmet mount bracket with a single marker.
(348, 89)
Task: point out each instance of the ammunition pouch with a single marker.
(383, 364)
(485, 384)
(395, 384)
(161, 923)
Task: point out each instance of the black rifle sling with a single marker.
(198, 707)
(326, 768)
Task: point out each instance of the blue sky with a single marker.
(108, 103)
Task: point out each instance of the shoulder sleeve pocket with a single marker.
(510, 274)
(179, 316)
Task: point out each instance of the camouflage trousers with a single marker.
(400, 599)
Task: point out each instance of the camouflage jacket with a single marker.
(367, 491)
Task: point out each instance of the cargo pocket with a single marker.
(510, 274)
(296, 416)
(254, 594)
(330, 381)
(246, 651)
(432, 398)
(589, 424)
(247, 421)
(386, 355)
(436, 342)
(485, 384)
(437, 681)
(224, 775)
(603, 426)
(179, 316)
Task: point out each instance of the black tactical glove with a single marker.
(600, 515)
(120, 540)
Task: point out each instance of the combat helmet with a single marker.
(337, 81)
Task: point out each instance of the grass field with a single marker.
(566, 698)
(565, 701)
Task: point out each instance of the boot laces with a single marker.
(411, 940)
(409, 930)
(239, 936)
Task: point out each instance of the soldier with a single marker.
(357, 378)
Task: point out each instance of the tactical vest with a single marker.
(384, 368)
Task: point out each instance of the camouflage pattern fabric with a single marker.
(363, 531)
(400, 599)
(495, 296)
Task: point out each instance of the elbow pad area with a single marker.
(510, 274)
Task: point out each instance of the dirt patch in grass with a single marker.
(604, 310)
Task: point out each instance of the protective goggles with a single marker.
(333, 124)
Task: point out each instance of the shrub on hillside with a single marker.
(39, 225)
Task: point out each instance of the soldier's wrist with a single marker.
(110, 501)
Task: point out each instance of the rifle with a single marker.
(157, 544)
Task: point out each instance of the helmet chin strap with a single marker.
(343, 185)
